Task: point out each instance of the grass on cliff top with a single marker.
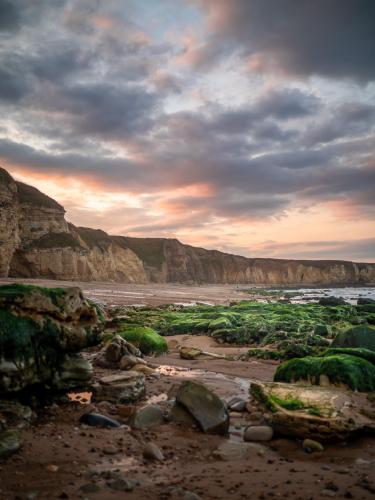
(351, 371)
(31, 195)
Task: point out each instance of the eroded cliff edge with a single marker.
(36, 241)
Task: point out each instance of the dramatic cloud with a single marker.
(223, 123)
(334, 38)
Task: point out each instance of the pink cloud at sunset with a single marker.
(228, 125)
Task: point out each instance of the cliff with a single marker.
(36, 241)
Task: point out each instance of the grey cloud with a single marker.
(9, 16)
(287, 103)
(12, 88)
(334, 39)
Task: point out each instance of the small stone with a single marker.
(110, 450)
(52, 468)
(120, 484)
(328, 493)
(90, 488)
(258, 433)
(148, 416)
(311, 446)
(153, 452)
(97, 420)
(237, 404)
(127, 362)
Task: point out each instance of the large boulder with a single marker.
(308, 411)
(358, 336)
(353, 372)
(41, 329)
(207, 409)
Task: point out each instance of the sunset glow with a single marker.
(184, 120)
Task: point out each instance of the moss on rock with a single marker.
(339, 369)
(146, 339)
(359, 336)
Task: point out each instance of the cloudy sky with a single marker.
(242, 125)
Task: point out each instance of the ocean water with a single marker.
(350, 294)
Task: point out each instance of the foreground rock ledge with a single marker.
(307, 411)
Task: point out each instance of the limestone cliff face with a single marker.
(37, 242)
(9, 236)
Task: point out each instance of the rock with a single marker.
(359, 336)
(314, 412)
(173, 345)
(205, 406)
(148, 416)
(10, 442)
(97, 420)
(127, 387)
(118, 354)
(141, 368)
(127, 362)
(258, 433)
(237, 404)
(125, 411)
(120, 484)
(153, 452)
(62, 321)
(233, 450)
(75, 372)
(190, 352)
(365, 301)
(332, 301)
(14, 414)
(110, 450)
(180, 415)
(309, 445)
(342, 370)
(90, 488)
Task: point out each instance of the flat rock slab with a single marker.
(205, 406)
(126, 387)
(320, 413)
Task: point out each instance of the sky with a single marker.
(242, 125)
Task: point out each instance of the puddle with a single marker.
(80, 397)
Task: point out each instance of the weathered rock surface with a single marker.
(36, 241)
(118, 354)
(41, 330)
(321, 413)
(148, 416)
(206, 407)
(127, 387)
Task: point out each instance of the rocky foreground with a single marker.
(88, 411)
(36, 241)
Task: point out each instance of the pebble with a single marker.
(153, 452)
(120, 485)
(328, 493)
(310, 446)
(97, 420)
(258, 433)
(90, 488)
(110, 450)
(237, 404)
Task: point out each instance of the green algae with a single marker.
(340, 369)
(146, 339)
(359, 336)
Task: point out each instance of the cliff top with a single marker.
(32, 195)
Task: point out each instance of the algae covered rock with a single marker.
(359, 336)
(146, 339)
(332, 301)
(118, 354)
(39, 329)
(308, 411)
(337, 369)
(205, 406)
